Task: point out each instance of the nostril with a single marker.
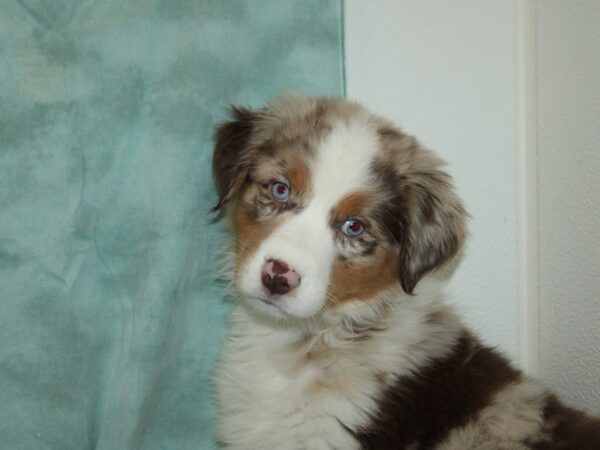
(275, 284)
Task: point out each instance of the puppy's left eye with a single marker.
(280, 191)
(353, 228)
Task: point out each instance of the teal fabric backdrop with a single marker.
(110, 316)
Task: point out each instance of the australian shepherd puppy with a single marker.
(340, 225)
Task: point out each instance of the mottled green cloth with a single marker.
(110, 315)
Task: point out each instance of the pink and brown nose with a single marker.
(278, 278)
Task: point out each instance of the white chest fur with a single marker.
(278, 389)
(275, 393)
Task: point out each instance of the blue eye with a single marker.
(280, 192)
(353, 228)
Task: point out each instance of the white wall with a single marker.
(445, 72)
(568, 42)
(509, 93)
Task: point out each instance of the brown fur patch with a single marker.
(232, 155)
(298, 173)
(283, 165)
(351, 206)
(446, 395)
(363, 280)
(248, 232)
(567, 429)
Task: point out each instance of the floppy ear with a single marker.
(433, 224)
(231, 157)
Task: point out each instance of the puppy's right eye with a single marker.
(280, 192)
(353, 228)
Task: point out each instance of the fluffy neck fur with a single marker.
(335, 365)
(406, 331)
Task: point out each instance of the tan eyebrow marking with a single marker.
(298, 174)
(360, 281)
(351, 205)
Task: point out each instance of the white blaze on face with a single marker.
(306, 241)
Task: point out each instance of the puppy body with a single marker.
(360, 352)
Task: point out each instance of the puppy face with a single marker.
(330, 204)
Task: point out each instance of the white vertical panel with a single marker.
(527, 185)
(446, 72)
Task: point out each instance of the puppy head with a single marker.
(330, 204)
